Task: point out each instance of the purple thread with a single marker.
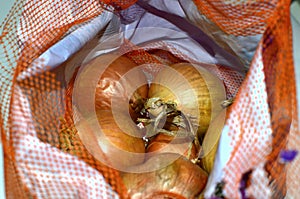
(288, 155)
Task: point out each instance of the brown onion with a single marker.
(161, 144)
(124, 136)
(180, 179)
(211, 141)
(109, 84)
(194, 90)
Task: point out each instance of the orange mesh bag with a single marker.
(263, 120)
(44, 156)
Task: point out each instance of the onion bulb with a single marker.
(109, 84)
(192, 89)
(180, 179)
(161, 144)
(211, 141)
(121, 137)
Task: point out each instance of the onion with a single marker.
(122, 137)
(196, 92)
(116, 145)
(180, 179)
(161, 144)
(211, 141)
(109, 84)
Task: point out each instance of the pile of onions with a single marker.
(198, 95)
(195, 93)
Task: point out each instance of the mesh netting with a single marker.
(43, 155)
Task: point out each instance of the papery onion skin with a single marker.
(159, 142)
(128, 138)
(211, 141)
(181, 177)
(109, 85)
(199, 86)
(125, 139)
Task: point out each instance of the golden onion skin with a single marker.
(124, 136)
(127, 136)
(211, 141)
(109, 85)
(181, 178)
(191, 89)
(160, 141)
